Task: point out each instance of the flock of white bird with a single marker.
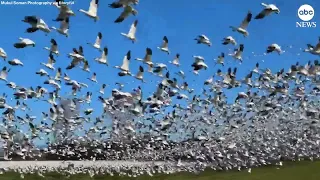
(275, 119)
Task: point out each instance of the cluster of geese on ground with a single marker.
(276, 118)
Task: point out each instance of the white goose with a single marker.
(229, 40)
(238, 53)
(64, 27)
(147, 58)
(4, 73)
(176, 60)
(97, 43)
(86, 66)
(243, 26)
(15, 62)
(3, 54)
(158, 69)
(53, 48)
(274, 47)
(123, 3)
(198, 64)
(164, 47)
(93, 78)
(127, 10)
(315, 50)
(104, 57)
(42, 72)
(24, 42)
(64, 13)
(36, 24)
(132, 32)
(101, 91)
(268, 9)
(93, 10)
(203, 39)
(50, 62)
(139, 75)
(220, 59)
(125, 62)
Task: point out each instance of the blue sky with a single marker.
(181, 21)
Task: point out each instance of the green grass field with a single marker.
(290, 171)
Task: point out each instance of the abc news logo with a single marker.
(306, 14)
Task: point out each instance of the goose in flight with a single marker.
(164, 47)
(65, 11)
(176, 60)
(202, 39)
(238, 53)
(76, 59)
(15, 62)
(101, 91)
(220, 59)
(77, 53)
(274, 47)
(243, 26)
(268, 9)
(104, 57)
(4, 73)
(147, 58)
(36, 24)
(125, 62)
(93, 10)
(315, 50)
(64, 27)
(97, 43)
(139, 75)
(53, 48)
(127, 10)
(86, 66)
(229, 40)
(198, 63)
(94, 78)
(42, 72)
(132, 32)
(158, 69)
(123, 3)
(50, 62)
(3, 54)
(24, 42)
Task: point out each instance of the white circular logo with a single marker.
(306, 12)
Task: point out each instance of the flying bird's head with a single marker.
(245, 34)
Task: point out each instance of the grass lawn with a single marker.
(290, 171)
